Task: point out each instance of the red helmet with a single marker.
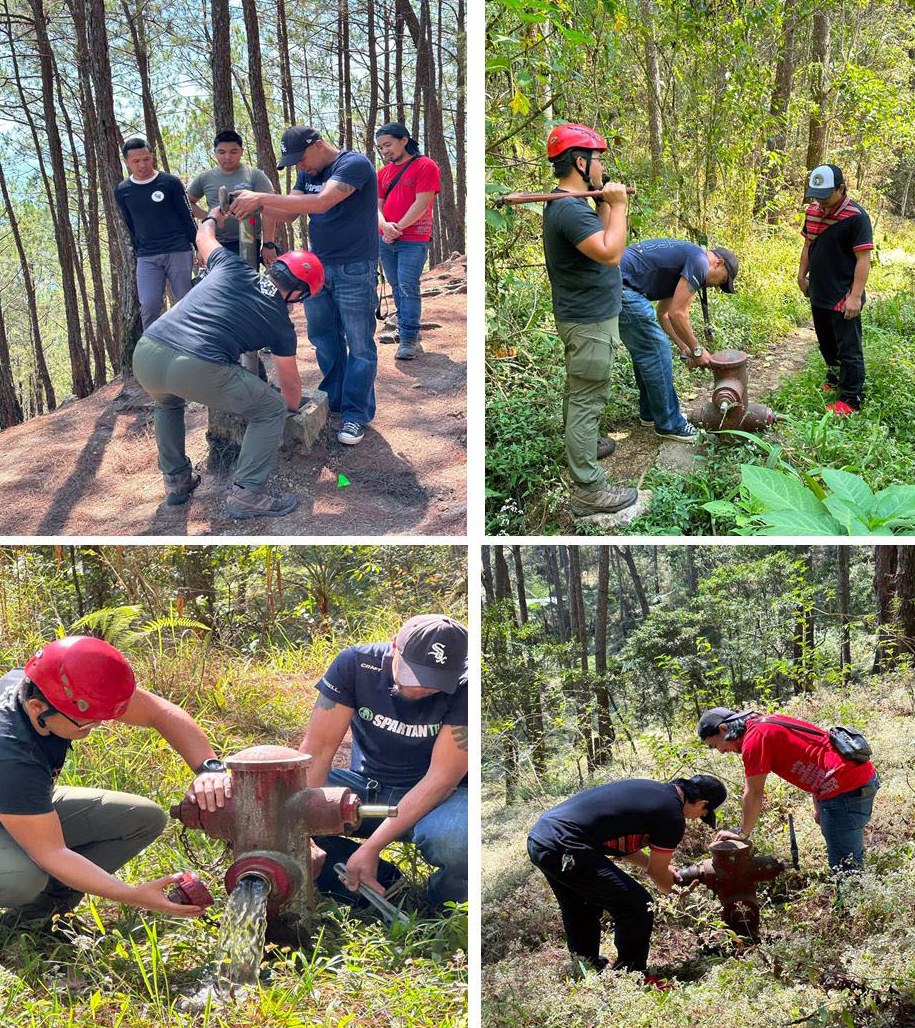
(83, 677)
(299, 269)
(565, 137)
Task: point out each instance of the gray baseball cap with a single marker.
(712, 719)
(823, 182)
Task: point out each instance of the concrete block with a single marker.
(303, 428)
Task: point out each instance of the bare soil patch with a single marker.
(89, 468)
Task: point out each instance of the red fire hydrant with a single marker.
(270, 819)
(729, 407)
(733, 874)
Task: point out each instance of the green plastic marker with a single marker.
(342, 481)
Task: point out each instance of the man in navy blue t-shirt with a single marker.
(338, 190)
(578, 844)
(158, 217)
(670, 272)
(405, 704)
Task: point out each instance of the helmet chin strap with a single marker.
(586, 174)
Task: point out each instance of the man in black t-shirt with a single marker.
(191, 353)
(572, 842)
(583, 248)
(405, 703)
(158, 217)
(59, 842)
(833, 271)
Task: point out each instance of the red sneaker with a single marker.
(664, 984)
(841, 408)
(829, 387)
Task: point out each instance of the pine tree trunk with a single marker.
(221, 65)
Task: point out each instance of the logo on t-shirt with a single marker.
(366, 714)
(267, 287)
(158, 196)
(438, 651)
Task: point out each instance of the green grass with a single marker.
(812, 967)
(138, 965)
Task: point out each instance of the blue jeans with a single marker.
(403, 263)
(341, 328)
(440, 836)
(649, 348)
(842, 822)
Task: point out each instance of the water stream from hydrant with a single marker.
(241, 939)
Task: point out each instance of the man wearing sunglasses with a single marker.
(405, 704)
(59, 842)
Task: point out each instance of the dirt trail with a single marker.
(89, 468)
(637, 448)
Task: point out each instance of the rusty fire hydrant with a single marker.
(733, 874)
(729, 407)
(269, 821)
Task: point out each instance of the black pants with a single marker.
(842, 349)
(588, 886)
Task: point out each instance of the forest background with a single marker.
(597, 662)
(237, 636)
(714, 111)
(77, 78)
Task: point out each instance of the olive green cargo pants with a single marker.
(108, 828)
(172, 377)
(589, 353)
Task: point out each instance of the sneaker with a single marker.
(351, 433)
(608, 500)
(178, 488)
(389, 337)
(646, 423)
(605, 447)
(664, 984)
(687, 434)
(256, 503)
(829, 386)
(841, 408)
(408, 350)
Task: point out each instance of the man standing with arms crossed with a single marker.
(835, 263)
(583, 248)
(338, 190)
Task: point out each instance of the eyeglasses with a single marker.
(79, 724)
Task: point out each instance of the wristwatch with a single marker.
(212, 765)
(697, 351)
(268, 246)
(209, 217)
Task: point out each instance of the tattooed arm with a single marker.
(281, 208)
(326, 729)
(447, 767)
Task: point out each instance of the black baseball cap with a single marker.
(711, 719)
(730, 262)
(713, 790)
(824, 181)
(294, 142)
(433, 653)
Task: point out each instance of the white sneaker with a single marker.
(351, 433)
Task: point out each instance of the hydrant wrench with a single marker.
(387, 910)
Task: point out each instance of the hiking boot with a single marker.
(408, 350)
(178, 487)
(687, 434)
(841, 408)
(351, 433)
(605, 447)
(608, 500)
(255, 503)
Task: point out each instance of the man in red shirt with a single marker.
(843, 790)
(407, 185)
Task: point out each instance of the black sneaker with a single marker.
(687, 434)
(351, 433)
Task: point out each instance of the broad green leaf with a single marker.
(777, 491)
(854, 491)
(847, 516)
(494, 219)
(720, 508)
(799, 522)
(897, 501)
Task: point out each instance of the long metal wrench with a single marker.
(547, 197)
(387, 910)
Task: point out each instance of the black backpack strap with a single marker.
(396, 178)
(797, 728)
